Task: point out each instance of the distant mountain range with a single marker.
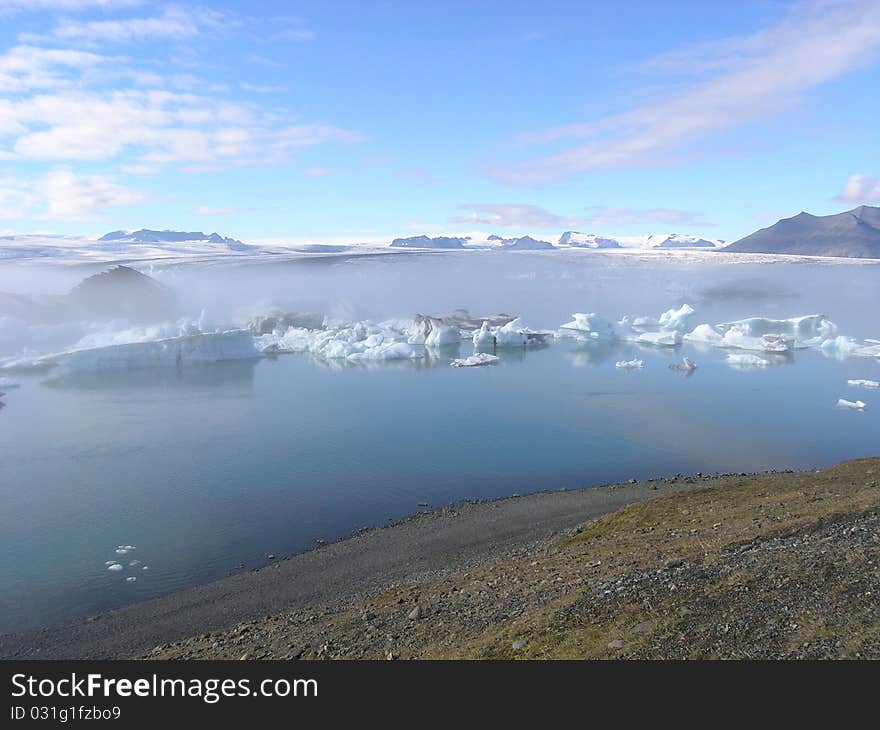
(443, 242)
(855, 233)
(574, 239)
(145, 235)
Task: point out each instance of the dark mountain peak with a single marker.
(853, 233)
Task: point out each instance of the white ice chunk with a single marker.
(863, 383)
(590, 325)
(663, 338)
(131, 579)
(122, 550)
(114, 566)
(676, 319)
(629, 364)
(432, 332)
(852, 405)
(841, 347)
(484, 338)
(746, 361)
(480, 358)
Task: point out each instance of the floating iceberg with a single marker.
(589, 325)
(747, 361)
(629, 364)
(477, 360)
(175, 351)
(512, 334)
(851, 405)
(766, 335)
(663, 338)
(432, 332)
(863, 383)
(677, 319)
(361, 341)
(114, 567)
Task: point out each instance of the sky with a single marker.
(289, 121)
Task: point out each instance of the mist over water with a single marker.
(204, 468)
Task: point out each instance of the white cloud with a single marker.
(748, 79)
(67, 5)
(524, 216)
(175, 22)
(64, 195)
(861, 189)
(514, 215)
(70, 196)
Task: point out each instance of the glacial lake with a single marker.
(208, 469)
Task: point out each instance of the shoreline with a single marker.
(337, 574)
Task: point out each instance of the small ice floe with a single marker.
(746, 361)
(114, 566)
(686, 365)
(480, 358)
(121, 551)
(131, 579)
(133, 563)
(863, 383)
(856, 405)
(629, 364)
(146, 567)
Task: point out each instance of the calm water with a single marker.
(213, 467)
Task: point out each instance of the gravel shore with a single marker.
(341, 573)
(776, 565)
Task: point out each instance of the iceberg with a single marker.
(512, 334)
(361, 341)
(863, 383)
(766, 335)
(663, 338)
(589, 325)
(851, 405)
(629, 364)
(172, 352)
(476, 360)
(432, 332)
(747, 361)
(677, 319)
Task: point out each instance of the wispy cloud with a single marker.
(65, 5)
(744, 80)
(57, 113)
(65, 196)
(861, 189)
(532, 217)
(173, 23)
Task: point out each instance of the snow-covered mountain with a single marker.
(428, 242)
(575, 239)
(145, 235)
(521, 243)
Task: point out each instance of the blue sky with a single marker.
(293, 121)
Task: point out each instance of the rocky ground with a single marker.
(777, 565)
